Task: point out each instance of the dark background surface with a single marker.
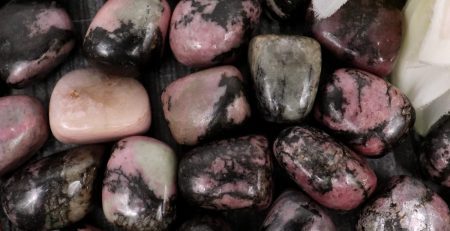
(401, 160)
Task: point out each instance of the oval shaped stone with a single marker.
(53, 192)
(23, 130)
(139, 188)
(205, 33)
(41, 37)
(205, 223)
(329, 172)
(127, 34)
(89, 106)
(286, 72)
(204, 104)
(295, 211)
(228, 174)
(369, 114)
(406, 204)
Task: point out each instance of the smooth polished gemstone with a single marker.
(23, 130)
(52, 192)
(139, 188)
(205, 223)
(205, 104)
(35, 37)
(90, 106)
(286, 72)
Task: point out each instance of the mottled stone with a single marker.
(23, 130)
(406, 204)
(294, 211)
(89, 106)
(35, 37)
(228, 174)
(126, 35)
(369, 114)
(205, 104)
(365, 33)
(328, 171)
(285, 9)
(209, 32)
(286, 72)
(53, 192)
(205, 223)
(139, 188)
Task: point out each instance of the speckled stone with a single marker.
(286, 72)
(139, 188)
(23, 130)
(294, 211)
(205, 223)
(328, 171)
(53, 192)
(35, 37)
(209, 32)
(406, 204)
(369, 114)
(228, 174)
(204, 104)
(126, 35)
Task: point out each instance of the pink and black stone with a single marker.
(205, 223)
(366, 34)
(369, 114)
(35, 37)
(435, 155)
(205, 33)
(295, 211)
(406, 204)
(228, 174)
(126, 35)
(329, 172)
(53, 192)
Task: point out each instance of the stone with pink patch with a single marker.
(366, 112)
(204, 104)
(208, 32)
(35, 37)
(228, 174)
(139, 187)
(329, 172)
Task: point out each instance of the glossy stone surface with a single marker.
(205, 223)
(139, 188)
(435, 155)
(35, 37)
(89, 106)
(286, 72)
(23, 130)
(285, 9)
(406, 204)
(228, 174)
(205, 33)
(294, 211)
(126, 35)
(369, 114)
(53, 192)
(328, 171)
(205, 104)
(366, 34)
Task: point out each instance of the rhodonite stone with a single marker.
(328, 171)
(126, 35)
(286, 72)
(364, 33)
(285, 9)
(205, 223)
(204, 33)
(228, 174)
(205, 104)
(139, 188)
(406, 204)
(35, 37)
(366, 112)
(89, 106)
(294, 211)
(435, 155)
(23, 130)
(52, 192)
